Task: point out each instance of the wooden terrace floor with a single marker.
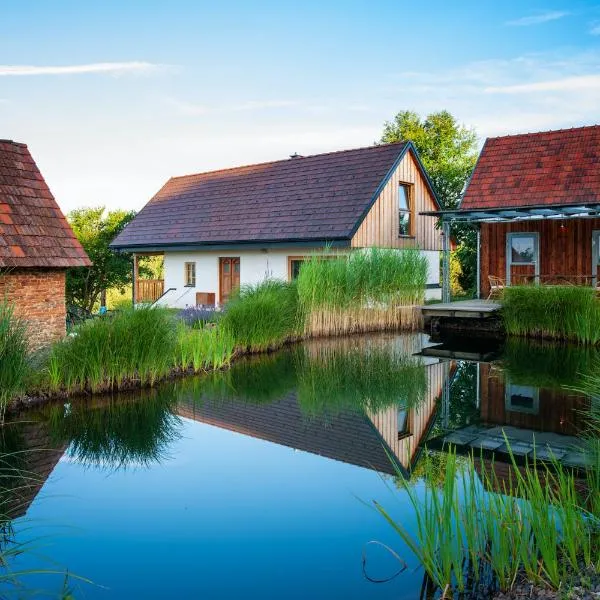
(465, 309)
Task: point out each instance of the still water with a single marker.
(260, 480)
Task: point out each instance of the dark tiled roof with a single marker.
(33, 230)
(348, 437)
(552, 167)
(321, 197)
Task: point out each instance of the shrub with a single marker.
(262, 316)
(104, 353)
(364, 291)
(13, 355)
(562, 312)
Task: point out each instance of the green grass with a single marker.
(107, 353)
(203, 348)
(539, 523)
(364, 290)
(559, 312)
(13, 355)
(262, 316)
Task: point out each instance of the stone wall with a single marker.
(38, 297)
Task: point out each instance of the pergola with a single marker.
(502, 215)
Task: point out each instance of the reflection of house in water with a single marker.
(363, 438)
(29, 449)
(526, 418)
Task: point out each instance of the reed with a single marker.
(110, 353)
(263, 316)
(556, 312)
(13, 356)
(203, 348)
(537, 523)
(366, 290)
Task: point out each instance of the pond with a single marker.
(260, 480)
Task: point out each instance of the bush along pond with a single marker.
(361, 466)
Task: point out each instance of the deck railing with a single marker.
(149, 290)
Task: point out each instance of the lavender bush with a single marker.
(198, 316)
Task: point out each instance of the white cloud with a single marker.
(595, 28)
(566, 84)
(112, 68)
(552, 15)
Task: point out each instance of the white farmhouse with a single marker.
(222, 229)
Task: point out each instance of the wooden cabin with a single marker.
(535, 199)
(222, 229)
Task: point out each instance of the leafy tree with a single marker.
(95, 229)
(448, 150)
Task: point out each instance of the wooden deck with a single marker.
(462, 309)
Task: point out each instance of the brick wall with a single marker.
(38, 297)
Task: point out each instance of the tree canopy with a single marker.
(447, 148)
(95, 228)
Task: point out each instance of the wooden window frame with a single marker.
(407, 432)
(187, 267)
(308, 257)
(536, 246)
(411, 210)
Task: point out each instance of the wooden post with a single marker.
(446, 261)
(134, 286)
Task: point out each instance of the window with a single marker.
(190, 274)
(522, 398)
(521, 250)
(403, 423)
(294, 266)
(404, 210)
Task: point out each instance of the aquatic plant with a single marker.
(263, 316)
(366, 290)
(203, 348)
(560, 312)
(108, 352)
(13, 355)
(536, 522)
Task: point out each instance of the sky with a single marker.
(113, 97)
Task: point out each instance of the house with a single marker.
(37, 246)
(535, 199)
(222, 229)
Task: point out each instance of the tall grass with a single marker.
(203, 348)
(560, 312)
(537, 523)
(13, 355)
(367, 290)
(263, 316)
(106, 353)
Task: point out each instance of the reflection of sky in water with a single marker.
(227, 515)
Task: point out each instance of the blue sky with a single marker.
(113, 98)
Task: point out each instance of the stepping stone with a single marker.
(459, 439)
(549, 453)
(486, 443)
(517, 448)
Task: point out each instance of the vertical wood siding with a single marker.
(386, 421)
(380, 226)
(561, 251)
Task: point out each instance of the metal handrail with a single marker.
(163, 295)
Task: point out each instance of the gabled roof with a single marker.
(33, 230)
(537, 169)
(315, 198)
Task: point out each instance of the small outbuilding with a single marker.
(37, 246)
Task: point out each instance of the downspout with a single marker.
(446, 261)
(478, 260)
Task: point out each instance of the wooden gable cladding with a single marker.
(380, 226)
(565, 249)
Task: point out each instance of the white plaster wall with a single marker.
(255, 266)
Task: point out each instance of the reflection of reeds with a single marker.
(371, 290)
(118, 432)
(332, 379)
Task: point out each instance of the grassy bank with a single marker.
(13, 355)
(554, 312)
(371, 290)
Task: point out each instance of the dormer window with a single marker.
(404, 211)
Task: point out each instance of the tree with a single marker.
(448, 151)
(95, 229)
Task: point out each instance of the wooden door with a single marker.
(229, 277)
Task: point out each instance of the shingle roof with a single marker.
(33, 230)
(321, 197)
(552, 167)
